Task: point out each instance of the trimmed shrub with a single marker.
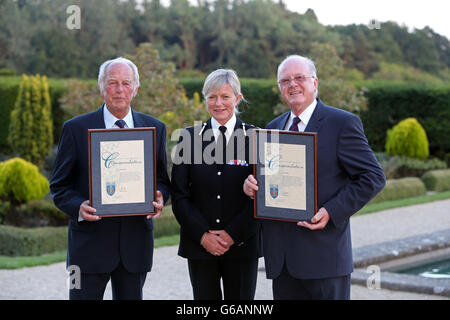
(16, 241)
(31, 127)
(21, 181)
(437, 180)
(399, 189)
(390, 102)
(396, 167)
(408, 139)
(36, 213)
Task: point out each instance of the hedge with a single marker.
(399, 189)
(261, 96)
(9, 88)
(15, 241)
(388, 103)
(391, 103)
(437, 180)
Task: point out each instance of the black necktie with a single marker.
(294, 126)
(222, 140)
(121, 124)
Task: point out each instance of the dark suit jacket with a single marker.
(348, 177)
(97, 247)
(210, 196)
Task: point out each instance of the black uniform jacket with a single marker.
(208, 195)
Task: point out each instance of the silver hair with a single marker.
(104, 69)
(220, 77)
(307, 61)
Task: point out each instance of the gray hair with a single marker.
(104, 69)
(220, 77)
(307, 61)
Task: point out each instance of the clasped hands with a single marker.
(87, 212)
(319, 221)
(216, 242)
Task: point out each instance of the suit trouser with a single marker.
(238, 277)
(124, 285)
(286, 287)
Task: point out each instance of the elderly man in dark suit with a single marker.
(313, 259)
(116, 248)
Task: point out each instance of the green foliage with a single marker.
(251, 37)
(333, 89)
(20, 181)
(16, 241)
(9, 89)
(161, 95)
(437, 180)
(166, 224)
(5, 207)
(390, 103)
(408, 139)
(7, 72)
(80, 97)
(400, 189)
(31, 127)
(35, 213)
(395, 167)
(398, 72)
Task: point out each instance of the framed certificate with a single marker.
(286, 170)
(122, 171)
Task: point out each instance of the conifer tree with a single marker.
(31, 129)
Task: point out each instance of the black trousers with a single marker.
(238, 278)
(124, 285)
(285, 287)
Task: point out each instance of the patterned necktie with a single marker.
(294, 126)
(223, 140)
(120, 123)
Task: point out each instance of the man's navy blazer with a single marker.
(97, 247)
(348, 176)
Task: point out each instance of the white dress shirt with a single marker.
(230, 127)
(304, 117)
(110, 119)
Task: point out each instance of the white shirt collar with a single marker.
(110, 119)
(230, 127)
(304, 117)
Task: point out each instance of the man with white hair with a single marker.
(313, 259)
(119, 249)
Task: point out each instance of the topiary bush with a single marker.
(21, 181)
(409, 139)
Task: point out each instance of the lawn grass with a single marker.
(30, 261)
(59, 256)
(404, 202)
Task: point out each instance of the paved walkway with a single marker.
(169, 278)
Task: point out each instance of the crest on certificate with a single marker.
(274, 191)
(110, 188)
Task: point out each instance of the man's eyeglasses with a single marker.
(298, 79)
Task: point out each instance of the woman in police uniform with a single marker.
(219, 235)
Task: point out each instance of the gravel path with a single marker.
(169, 279)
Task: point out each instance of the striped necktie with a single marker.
(294, 126)
(120, 123)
